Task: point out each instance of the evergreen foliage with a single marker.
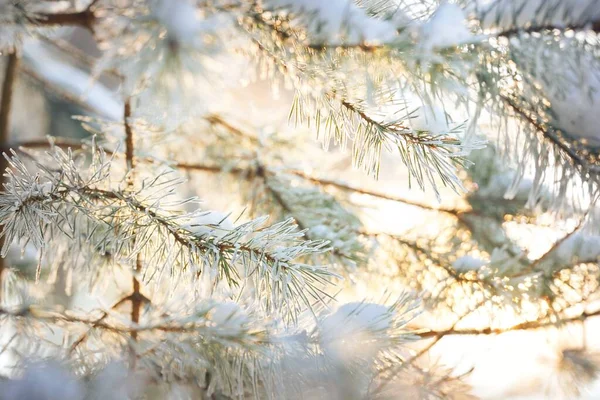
(119, 280)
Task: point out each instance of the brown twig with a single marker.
(136, 297)
(535, 264)
(384, 196)
(95, 324)
(528, 325)
(84, 19)
(436, 338)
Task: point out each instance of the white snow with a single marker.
(350, 333)
(570, 79)
(577, 247)
(446, 28)
(229, 316)
(506, 185)
(577, 107)
(179, 17)
(429, 119)
(45, 188)
(336, 19)
(468, 263)
(48, 381)
(356, 317)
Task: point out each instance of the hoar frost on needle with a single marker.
(357, 331)
(338, 21)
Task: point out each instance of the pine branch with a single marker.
(347, 187)
(268, 253)
(551, 136)
(8, 83)
(203, 325)
(302, 204)
(593, 26)
(215, 119)
(67, 143)
(421, 250)
(549, 253)
(393, 370)
(528, 325)
(129, 150)
(427, 156)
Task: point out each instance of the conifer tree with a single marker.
(190, 246)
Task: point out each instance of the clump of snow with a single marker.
(210, 224)
(115, 381)
(73, 81)
(44, 189)
(569, 78)
(468, 263)
(322, 231)
(48, 381)
(577, 248)
(576, 107)
(501, 183)
(52, 381)
(229, 316)
(349, 332)
(446, 28)
(171, 59)
(497, 181)
(333, 20)
(430, 119)
(178, 17)
(326, 233)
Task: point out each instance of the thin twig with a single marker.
(136, 299)
(436, 339)
(528, 325)
(384, 196)
(534, 265)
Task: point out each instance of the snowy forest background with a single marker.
(371, 199)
